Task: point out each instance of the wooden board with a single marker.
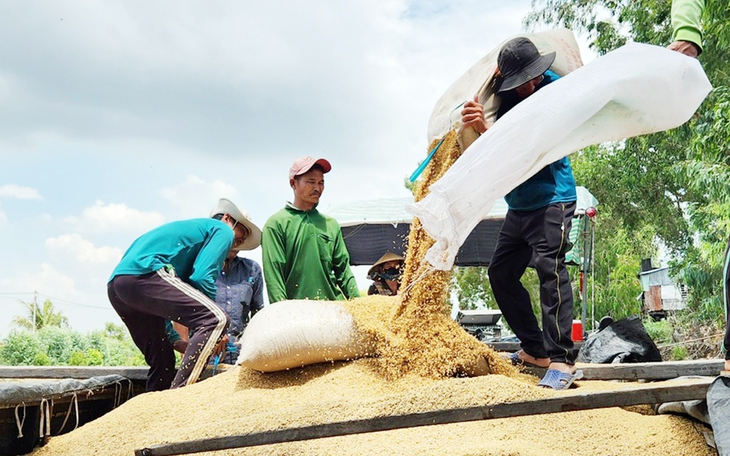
(134, 373)
(663, 370)
(649, 393)
(78, 372)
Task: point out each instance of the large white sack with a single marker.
(634, 90)
(478, 79)
(291, 334)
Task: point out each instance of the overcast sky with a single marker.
(118, 116)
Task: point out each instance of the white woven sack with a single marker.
(478, 79)
(291, 334)
(634, 90)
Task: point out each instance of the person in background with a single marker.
(536, 226)
(304, 254)
(386, 274)
(169, 273)
(687, 31)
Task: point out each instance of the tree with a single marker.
(672, 186)
(38, 317)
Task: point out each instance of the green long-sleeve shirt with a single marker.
(305, 257)
(196, 249)
(686, 16)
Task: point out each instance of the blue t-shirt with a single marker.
(552, 184)
(195, 248)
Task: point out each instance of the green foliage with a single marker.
(38, 317)
(672, 186)
(679, 352)
(20, 349)
(41, 359)
(659, 331)
(62, 346)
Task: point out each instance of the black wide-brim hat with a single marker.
(519, 61)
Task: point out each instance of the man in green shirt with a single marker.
(303, 252)
(687, 31)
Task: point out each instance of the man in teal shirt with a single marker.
(303, 252)
(169, 273)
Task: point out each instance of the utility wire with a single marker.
(53, 299)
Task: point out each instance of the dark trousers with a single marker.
(541, 234)
(145, 302)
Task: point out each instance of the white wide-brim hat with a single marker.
(226, 206)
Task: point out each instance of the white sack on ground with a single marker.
(291, 334)
(634, 90)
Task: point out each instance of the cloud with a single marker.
(107, 218)
(82, 250)
(44, 280)
(16, 191)
(195, 197)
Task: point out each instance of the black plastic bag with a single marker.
(623, 341)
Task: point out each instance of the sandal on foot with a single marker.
(559, 380)
(517, 361)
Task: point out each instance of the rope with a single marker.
(18, 422)
(45, 418)
(74, 402)
(119, 389)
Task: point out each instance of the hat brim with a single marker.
(226, 206)
(254, 238)
(530, 72)
(388, 256)
(323, 163)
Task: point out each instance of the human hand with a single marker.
(473, 115)
(180, 346)
(686, 48)
(221, 347)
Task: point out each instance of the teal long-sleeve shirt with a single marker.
(305, 257)
(686, 15)
(196, 249)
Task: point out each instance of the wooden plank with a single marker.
(78, 372)
(663, 370)
(647, 394)
(515, 346)
(652, 371)
(134, 373)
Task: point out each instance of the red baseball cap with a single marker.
(303, 164)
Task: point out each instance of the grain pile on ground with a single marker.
(241, 401)
(424, 339)
(419, 364)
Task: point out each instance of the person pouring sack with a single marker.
(536, 227)
(386, 274)
(169, 273)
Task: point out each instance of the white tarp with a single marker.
(634, 90)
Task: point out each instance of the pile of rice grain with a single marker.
(423, 338)
(419, 351)
(242, 401)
